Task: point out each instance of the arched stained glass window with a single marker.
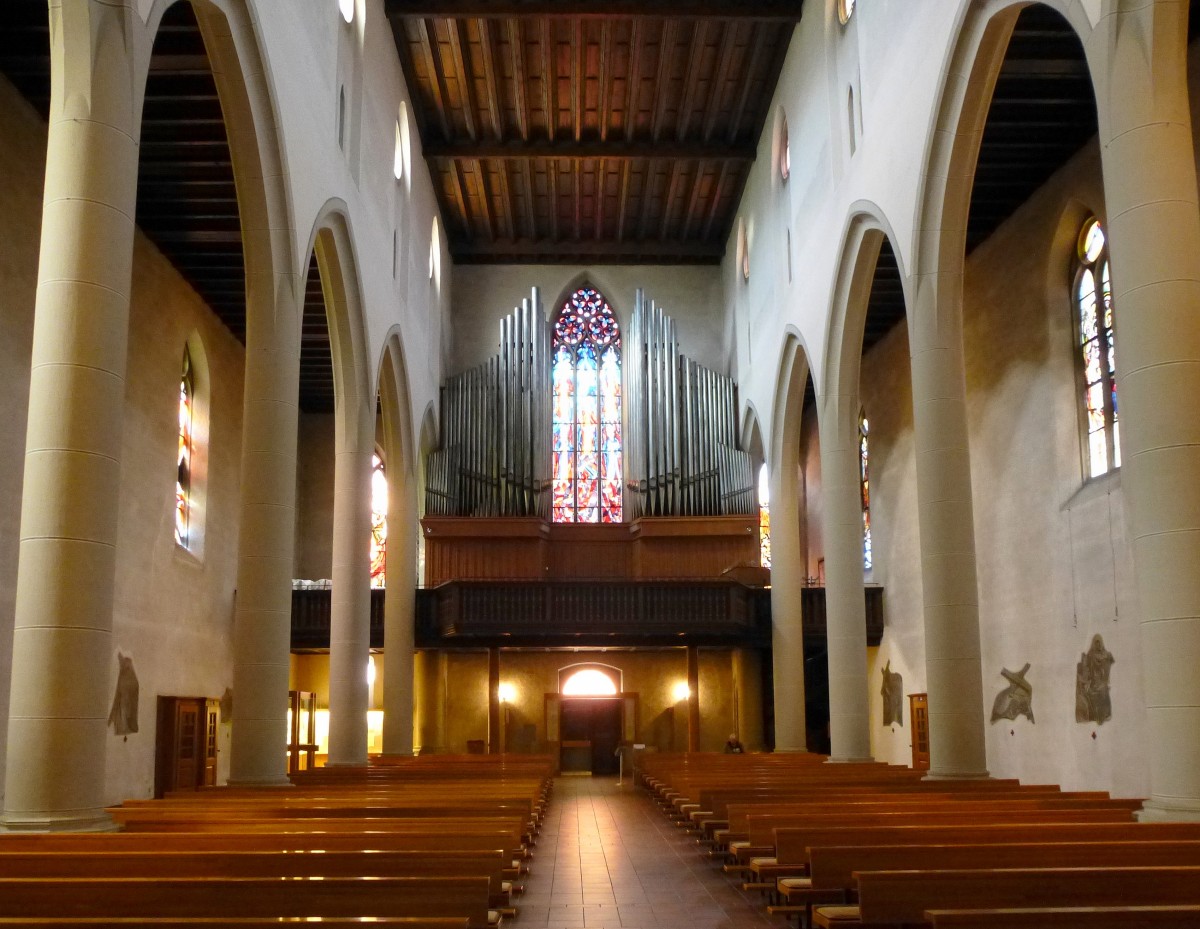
(586, 382)
(183, 474)
(379, 506)
(764, 517)
(1094, 315)
(864, 475)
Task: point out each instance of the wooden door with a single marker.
(185, 744)
(918, 715)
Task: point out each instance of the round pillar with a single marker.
(266, 539)
(946, 520)
(1154, 230)
(399, 615)
(63, 665)
(787, 630)
(845, 609)
(350, 620)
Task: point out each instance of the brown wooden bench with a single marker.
(763, 835)
(891, 898)
(249, 896)
(218, 922)
(1092, 917)
(831, 869)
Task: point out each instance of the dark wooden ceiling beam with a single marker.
(739, 112)
(457, 41)
(493, 77)
(549, 80)
(691, 81)
(669, 149)
(666, 39)
(772, 11)
(530, 206)
(717, 90)
(714, 206)
(634, 78)
(602, 114)
(516, 44)
(647, 250)
(578, 76)
(428, 40)
(623, 200)
(689, 218)
(485, 204)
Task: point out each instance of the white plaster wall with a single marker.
(485, 294)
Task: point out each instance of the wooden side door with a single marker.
(185, 744)
(918, 715)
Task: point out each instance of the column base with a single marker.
(868, 759)
(957, 776)
(43, 824)
(1155, 812)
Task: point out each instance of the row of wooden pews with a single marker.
(876, 845)
(438, 842)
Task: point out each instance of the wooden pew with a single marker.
(831, 869)
(763, 833)
(892, 898)
(1092, 917)
(231, 922)
(248, 896)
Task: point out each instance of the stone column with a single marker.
(1154, 233)
(266, 541)
(946, 521)
(63, 666)
(350, 619)
(399, 616)
(788, 571)
(845, 606)
(693, 701)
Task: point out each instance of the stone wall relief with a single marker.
(1092, 701)
(1017, 698)
(892, 692)
(123, 716)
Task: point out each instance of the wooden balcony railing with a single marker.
(599, 612)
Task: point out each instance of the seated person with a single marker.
(733, 746)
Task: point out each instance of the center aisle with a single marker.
(607, 857)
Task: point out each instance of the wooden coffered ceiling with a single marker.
(579, 131)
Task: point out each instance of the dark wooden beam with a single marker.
(428, 40)
(516, 45)
(633, 81)
(493, 77)
(549, 80)
(669, 149)
(457, 41)
(644, 251)
(774, 11)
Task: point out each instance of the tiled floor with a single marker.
(607, 857)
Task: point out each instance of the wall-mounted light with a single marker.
(507, 692)
(347, 8)
(681, 691)
(370, 671)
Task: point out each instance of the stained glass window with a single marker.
(864, 476)
(379, 506)
(586, 385)
(183, 474)
(764, 518)
(1094, 312)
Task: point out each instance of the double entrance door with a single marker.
(591, 733)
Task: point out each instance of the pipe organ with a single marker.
(495, 454)
(679, 435)
(681, 453)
